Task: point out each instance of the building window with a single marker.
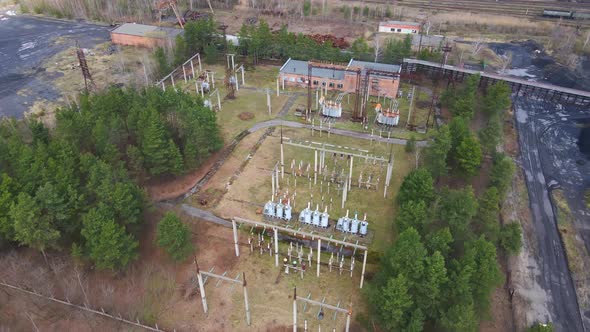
(323, 83)
(315, 82)
(399, 30)
(339, 86)
(392, 29)
(413, 31)
(331, 84)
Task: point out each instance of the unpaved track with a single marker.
(550, 269)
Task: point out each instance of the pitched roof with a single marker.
(414, 24)
(299, 67)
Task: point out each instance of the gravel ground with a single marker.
(25, 43)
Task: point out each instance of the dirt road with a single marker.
(554, 299)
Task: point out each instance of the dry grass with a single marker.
(565, 220)
(253, 185)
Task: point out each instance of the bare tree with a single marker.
(477, 46)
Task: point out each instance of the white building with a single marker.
(399, 27)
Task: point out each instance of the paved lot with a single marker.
(25, 43)
(548, 134)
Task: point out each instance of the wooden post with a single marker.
(246, 299)
(201, 287)
(295, 309)
(363, 271)
(319, 253)
(276, 231)
(236, 238)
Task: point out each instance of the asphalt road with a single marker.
(536, 122)
(25, 44)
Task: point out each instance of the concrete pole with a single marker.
(197, 87)
(277, 87)
(344, 192)
(363, 270)
(319, 252)
(243, 80)
(163, 86)
(232, 63)
(295, 309)
(317, 100)
(268, 101)
(199, 59)
(236, 238)
(227, 58)
(193, 69)
(218, 101)
(213, 79)
(246, 299)
(283, 81)
(172, 78)
(277, 179)
(237, 84)
(282, 162)
(202, 90)
(315, 167)
(184, 73)
(347, 328)
(276, 247)
(350, 173)
(201, 287)
(273, 184)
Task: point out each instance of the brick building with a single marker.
(295, 72)
(143, 35)
(399, 27)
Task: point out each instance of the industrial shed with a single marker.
(399, 27)
(143, 35)
(295, 73)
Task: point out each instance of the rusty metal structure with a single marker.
(162, 5)
(356, 115)
(84, 68)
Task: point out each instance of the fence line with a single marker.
(84, 308)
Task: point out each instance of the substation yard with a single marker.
(269, 286)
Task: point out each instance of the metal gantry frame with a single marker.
(354, 70)
(237, 280)
(322, 304)
(303, 234)
(171, 75)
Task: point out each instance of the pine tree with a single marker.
(174, 237)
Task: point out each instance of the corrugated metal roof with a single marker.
(375, 66)
(399, 23)
(299, 67)
(143, 30)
